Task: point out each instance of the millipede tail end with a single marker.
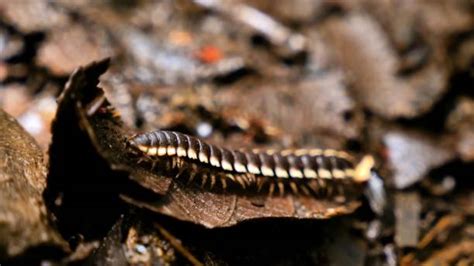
(363, 169)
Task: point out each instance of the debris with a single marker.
(443, 226)
(363, 50)
(374, 229)
(209, 54)
(461, 122)
(412, 156)
(315, 106)
(290, 43)
(376, 194)
(31, 16)
(59, 54)
(390, 254)
(407, 215)
(38, 118)
(452, 254)
(388, 79)
(447, 185)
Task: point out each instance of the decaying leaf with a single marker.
(32, 15)
(316, 106)
(23, 218)
(60, 54)
(364, 51)
(187, 202)
(461, 121)
(412, 156)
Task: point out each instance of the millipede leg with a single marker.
(180, 172)
(224, 183)
(315, 188)
(271, 189)
(241, 181)
(173, 162)
(321, 182)
(339, 190)
(294, 187)
(153, 165)
(281, 188)
(305, 190)
(203, 180)
(192, 175)
(260, 182)
(329, 190)
(250, 178)
(213, 180)
(179, 162)
(231, 177)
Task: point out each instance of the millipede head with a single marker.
(138, 139)
(136, 142)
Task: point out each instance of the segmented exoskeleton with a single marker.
(302, 170)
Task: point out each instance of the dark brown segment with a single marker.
(323, 163)
(253, 158)
(227, 156)
(343, 164)
(147, 141)
(163, 139)
(308, 162)
(281, 161)
(172, 139)
(216, 153)
(295, 162)
(155, 139)
(182, 140)
(151, 139)
(240, 158)
(335, 162)
(267, 160)
(193, 143)
(167, 137)
(177, 138)
(204, 148)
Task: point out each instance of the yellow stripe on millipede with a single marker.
(280, 172)
(161, 151)
(152, 151)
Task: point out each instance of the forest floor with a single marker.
(390, 79)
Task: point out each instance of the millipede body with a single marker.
(173, 154)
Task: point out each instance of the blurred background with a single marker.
(392, 78)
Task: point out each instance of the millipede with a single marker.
(301, 170)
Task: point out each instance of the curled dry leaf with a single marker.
(316, 105)
(461, 121)
(60, 55)
(412, 156)
(23, 218)
(31, 16)
(110, 251)
(365, 53)
(186, 202)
